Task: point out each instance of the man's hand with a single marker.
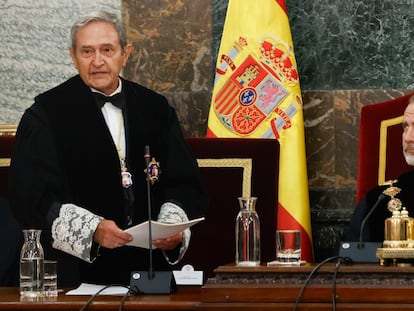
(109, 235)
(169, 243)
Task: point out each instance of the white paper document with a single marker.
(140, 233)
(91, 289)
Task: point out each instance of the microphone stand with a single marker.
(147, 161)
(362, 251)
(367, 216)
(150, 282)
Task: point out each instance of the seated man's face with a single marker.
(408, 134)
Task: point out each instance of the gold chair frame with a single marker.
(7, 130)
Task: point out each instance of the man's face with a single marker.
(408, 134)
(98, 57)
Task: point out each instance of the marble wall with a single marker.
(359, 44)
(34, 54)
(349, 54)
(172, 54)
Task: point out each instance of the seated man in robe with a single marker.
(374, 226)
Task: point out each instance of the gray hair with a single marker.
(102, 16)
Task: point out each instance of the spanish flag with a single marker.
(257, 95)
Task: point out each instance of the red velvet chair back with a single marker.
(213, 240)
(380, 156)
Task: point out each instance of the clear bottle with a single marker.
(247, 233)
(31, 265)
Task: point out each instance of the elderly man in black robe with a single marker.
(78, 171)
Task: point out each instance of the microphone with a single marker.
(150, 282)
(361, 230)
(362, 251)
(147, 157)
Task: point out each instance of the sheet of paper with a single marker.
(91, 289)
(160, 230)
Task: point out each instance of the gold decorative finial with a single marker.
(394, 204)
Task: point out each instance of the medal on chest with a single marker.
(125, 175)
(153, 171)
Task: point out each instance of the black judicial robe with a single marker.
(374, 226)
(64, 153)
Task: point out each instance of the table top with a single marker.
(184, 298)
(357, 286)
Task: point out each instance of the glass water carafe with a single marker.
(247, 233)
(31, 265)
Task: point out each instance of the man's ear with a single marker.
(73, 57)
(127, 52)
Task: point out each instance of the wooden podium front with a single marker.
(358, 287)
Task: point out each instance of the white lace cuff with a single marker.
(73, 231)
(171, 213)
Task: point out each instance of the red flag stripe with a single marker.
(282, 4)
(226, 100)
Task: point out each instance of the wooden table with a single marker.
(362, 287)
(185, 298)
